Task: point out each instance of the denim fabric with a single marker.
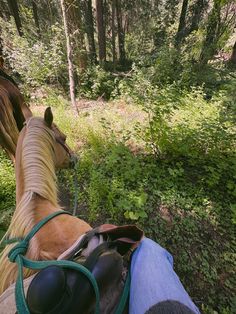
(153, 279)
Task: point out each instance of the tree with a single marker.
(233, 55)
(14, 9)
(101, 31)
(89, 28)
(35, 14)
(221, 21)
(1, 52)
(69, 56)
(190, 22)
(182, 23)
(120, 32)
(73, 16)
(197, 11)
(113, 31)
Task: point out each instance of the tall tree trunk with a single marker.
(14, 9)
(198, 10)
(233, 55)
(113, 31)
(1, 52)
(209, 44)
(101, 32)
(69, 56)
(4, 12)
(36, 18)
(121, 33)
(74, 20)
(182, 23)
(89, 25)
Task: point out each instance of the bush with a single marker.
(183, 121)
(37, 62)
(96, 82)
(7, 192)
(110, 176)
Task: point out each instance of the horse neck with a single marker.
(36, 190)
(34, 167)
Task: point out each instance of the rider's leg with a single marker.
(153, 279)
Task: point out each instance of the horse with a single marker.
(13, 112)
(39, 151)
(21, 110)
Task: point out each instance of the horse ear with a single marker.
(48, 116)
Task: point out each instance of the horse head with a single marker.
(64, 157)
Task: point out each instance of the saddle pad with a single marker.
(7, 299)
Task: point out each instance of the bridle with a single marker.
(66, 148)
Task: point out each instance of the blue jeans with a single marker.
(153, 279)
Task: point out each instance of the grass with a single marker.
(97, 117)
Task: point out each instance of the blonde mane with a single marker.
(36, 158)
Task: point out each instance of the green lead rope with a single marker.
(16, 255)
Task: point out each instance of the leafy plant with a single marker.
(7, 194)
(37, 62)
(96, 82)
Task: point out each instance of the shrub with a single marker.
(96, 82)
(37, 62)
(7, 191)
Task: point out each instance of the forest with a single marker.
(145, 91)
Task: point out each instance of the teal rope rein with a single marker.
(16, 255)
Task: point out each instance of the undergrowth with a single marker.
(165, 161)
(7, 192)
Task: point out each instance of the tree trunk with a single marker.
(113, 12)
(89, 25)
(198, 10)
(36, 18)
(69, 57)
(4, 12)
(101, 32)
(1, 53)
(209, 44)
(182, 23)
(233, 55)
(14, 9)
(74, 20)
(121, 34)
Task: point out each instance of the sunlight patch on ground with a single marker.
(97, 117)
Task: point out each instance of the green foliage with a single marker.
(96, 82)
(184, 204)
(109, 173)
(7, 192)
(36, 61)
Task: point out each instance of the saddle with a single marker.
(106, 252)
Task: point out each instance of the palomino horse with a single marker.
(39, 151)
